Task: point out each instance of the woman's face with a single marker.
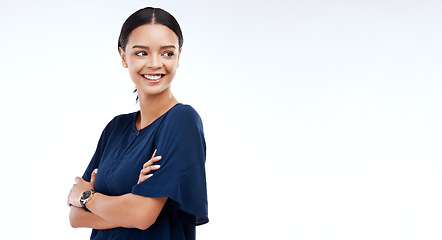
(151, 55)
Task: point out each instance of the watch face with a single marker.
(86, 194)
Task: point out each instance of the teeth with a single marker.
(153, 77)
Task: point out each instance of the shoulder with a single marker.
(121, 120)
(184, 113)
(124, 117)
(182, 117)
(184, 109)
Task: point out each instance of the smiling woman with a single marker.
(151, 55)
(123, 194)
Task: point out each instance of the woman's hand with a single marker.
(148, 167)
(79, 187)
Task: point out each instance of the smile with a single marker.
(153, 77)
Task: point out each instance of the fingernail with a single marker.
(150, 175)
(157, 157)
(95, 170)
(156, 166)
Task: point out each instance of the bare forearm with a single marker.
(80, 218)
(130, 211)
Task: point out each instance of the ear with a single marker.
(179, 54)
(123, 57)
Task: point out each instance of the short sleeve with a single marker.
(182, 178)
(95, 161)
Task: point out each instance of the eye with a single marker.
(168, 54)
(141, 53)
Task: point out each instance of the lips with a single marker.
(153, 77)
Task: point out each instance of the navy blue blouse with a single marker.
(121, 152)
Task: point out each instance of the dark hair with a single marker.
(149, 15)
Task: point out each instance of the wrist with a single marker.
(86, 196)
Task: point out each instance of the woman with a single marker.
(121, 196)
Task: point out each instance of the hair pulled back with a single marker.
(149, 15)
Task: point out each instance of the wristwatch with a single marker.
(85, 197)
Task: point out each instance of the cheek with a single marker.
(134, 73)
(172, 66)
(135, 67)
(134, 62)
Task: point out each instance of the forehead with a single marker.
(152, 35)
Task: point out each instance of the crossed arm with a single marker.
(129, 210)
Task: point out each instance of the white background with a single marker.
(322, 118)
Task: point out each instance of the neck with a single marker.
(152, 107)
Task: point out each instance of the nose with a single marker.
(154, 62)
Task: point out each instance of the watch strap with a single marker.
(84, 207)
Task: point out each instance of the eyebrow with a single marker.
(146, 47)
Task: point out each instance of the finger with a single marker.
(146, 170)
(144, 178)
(147, 164)
(153, 155)
(93, 175)
(77, 179)
(156, 159)
(152, 161)
(69, 201)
